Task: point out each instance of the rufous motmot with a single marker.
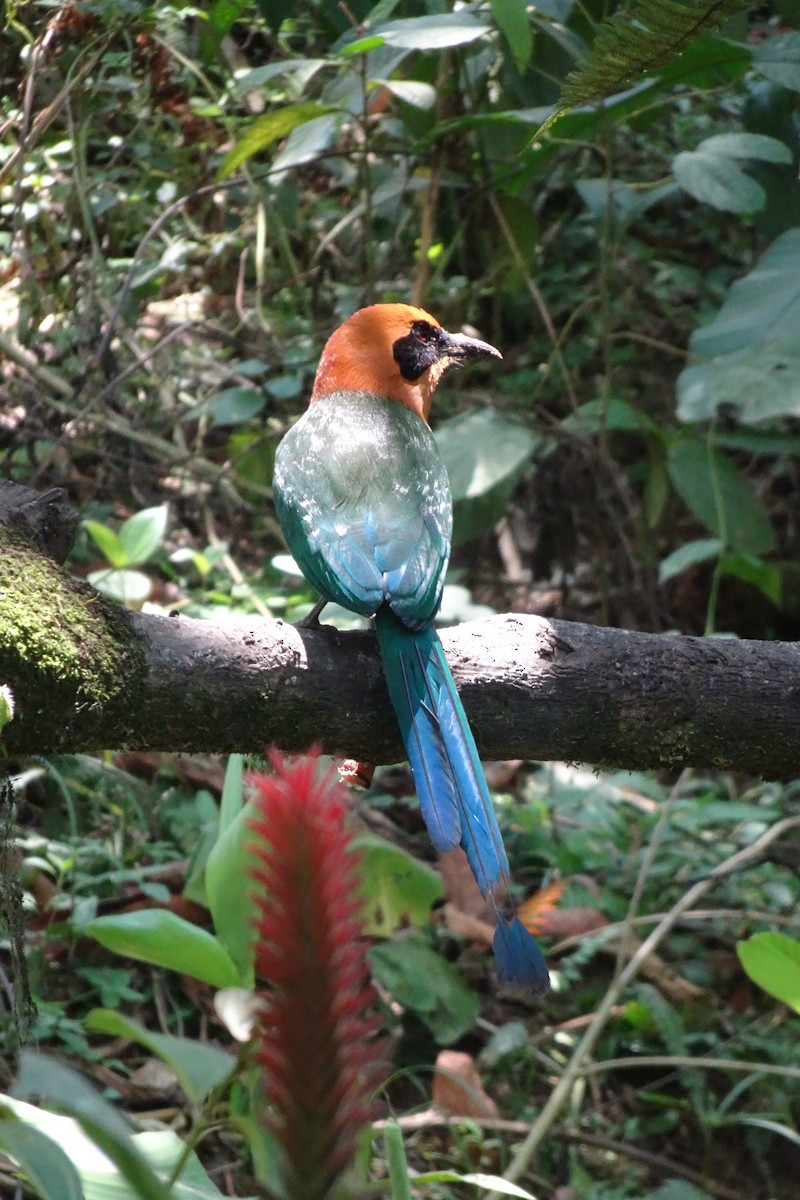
(363, 498)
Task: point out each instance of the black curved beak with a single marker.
(461, 348)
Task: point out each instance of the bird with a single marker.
(363, 499)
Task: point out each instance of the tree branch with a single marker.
(88, 675)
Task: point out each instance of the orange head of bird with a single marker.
(396, 351)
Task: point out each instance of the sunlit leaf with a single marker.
(772, 960)
(398, 889)
(266, 130)
(41, 1160)
(143, 533)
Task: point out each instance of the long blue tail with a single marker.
(449, 778)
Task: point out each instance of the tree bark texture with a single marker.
(88, 675)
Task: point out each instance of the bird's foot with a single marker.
(311, 620)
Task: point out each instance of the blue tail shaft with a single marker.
(453, 794)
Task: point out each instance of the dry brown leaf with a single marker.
(458, 1089)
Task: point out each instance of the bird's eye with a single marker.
(422, 331)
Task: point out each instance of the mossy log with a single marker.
(89, 675)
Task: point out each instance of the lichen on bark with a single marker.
(64, 645)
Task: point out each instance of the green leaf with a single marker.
(493, 1182)
(419, 95)
(761, 381)
(107, 543)
(41, 1160)
(751, 569)
(772, 960)
(397, 889)
(619, 416)
(228, 887)
(715, 491)
(762, 306)
(6, 705)
(199, 1068)
(158, 936)
(99, 1177)
(778, 59)
(751, 344)
(232, 799)
(420, 33)
(419, 979)
(130, 588)
(711, 174)
(747, 145)
(511, 18)
(716, 180)
(67, 1091)
(700, 550)
(266, 130)
(143, 533)
(485, 455)
(233, 406)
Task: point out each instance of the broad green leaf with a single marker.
(143, 534)
(419, 979)
(762, 381)
(266, 130)
(710, 172)
(751, 569)
(130, 588)
(485, 455)
(772, 960)
(764, 305)
(715, 491)
(778, 59)
(307, 141)
(199, 1068)
(249, 78)
(41, 1160)
(700, 550)
(716, 179)
(53, 1083)
(228, 890)
(100, 1178)
(618, 416)
(397, 888)
(626, 202)
(107, 543)
(511, 18)
(234, 406)
(421, 33)
(747, 145)
(158, 936)
(751, 344)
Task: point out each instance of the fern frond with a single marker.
(646, 36)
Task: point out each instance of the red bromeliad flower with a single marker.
(313, 1037)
